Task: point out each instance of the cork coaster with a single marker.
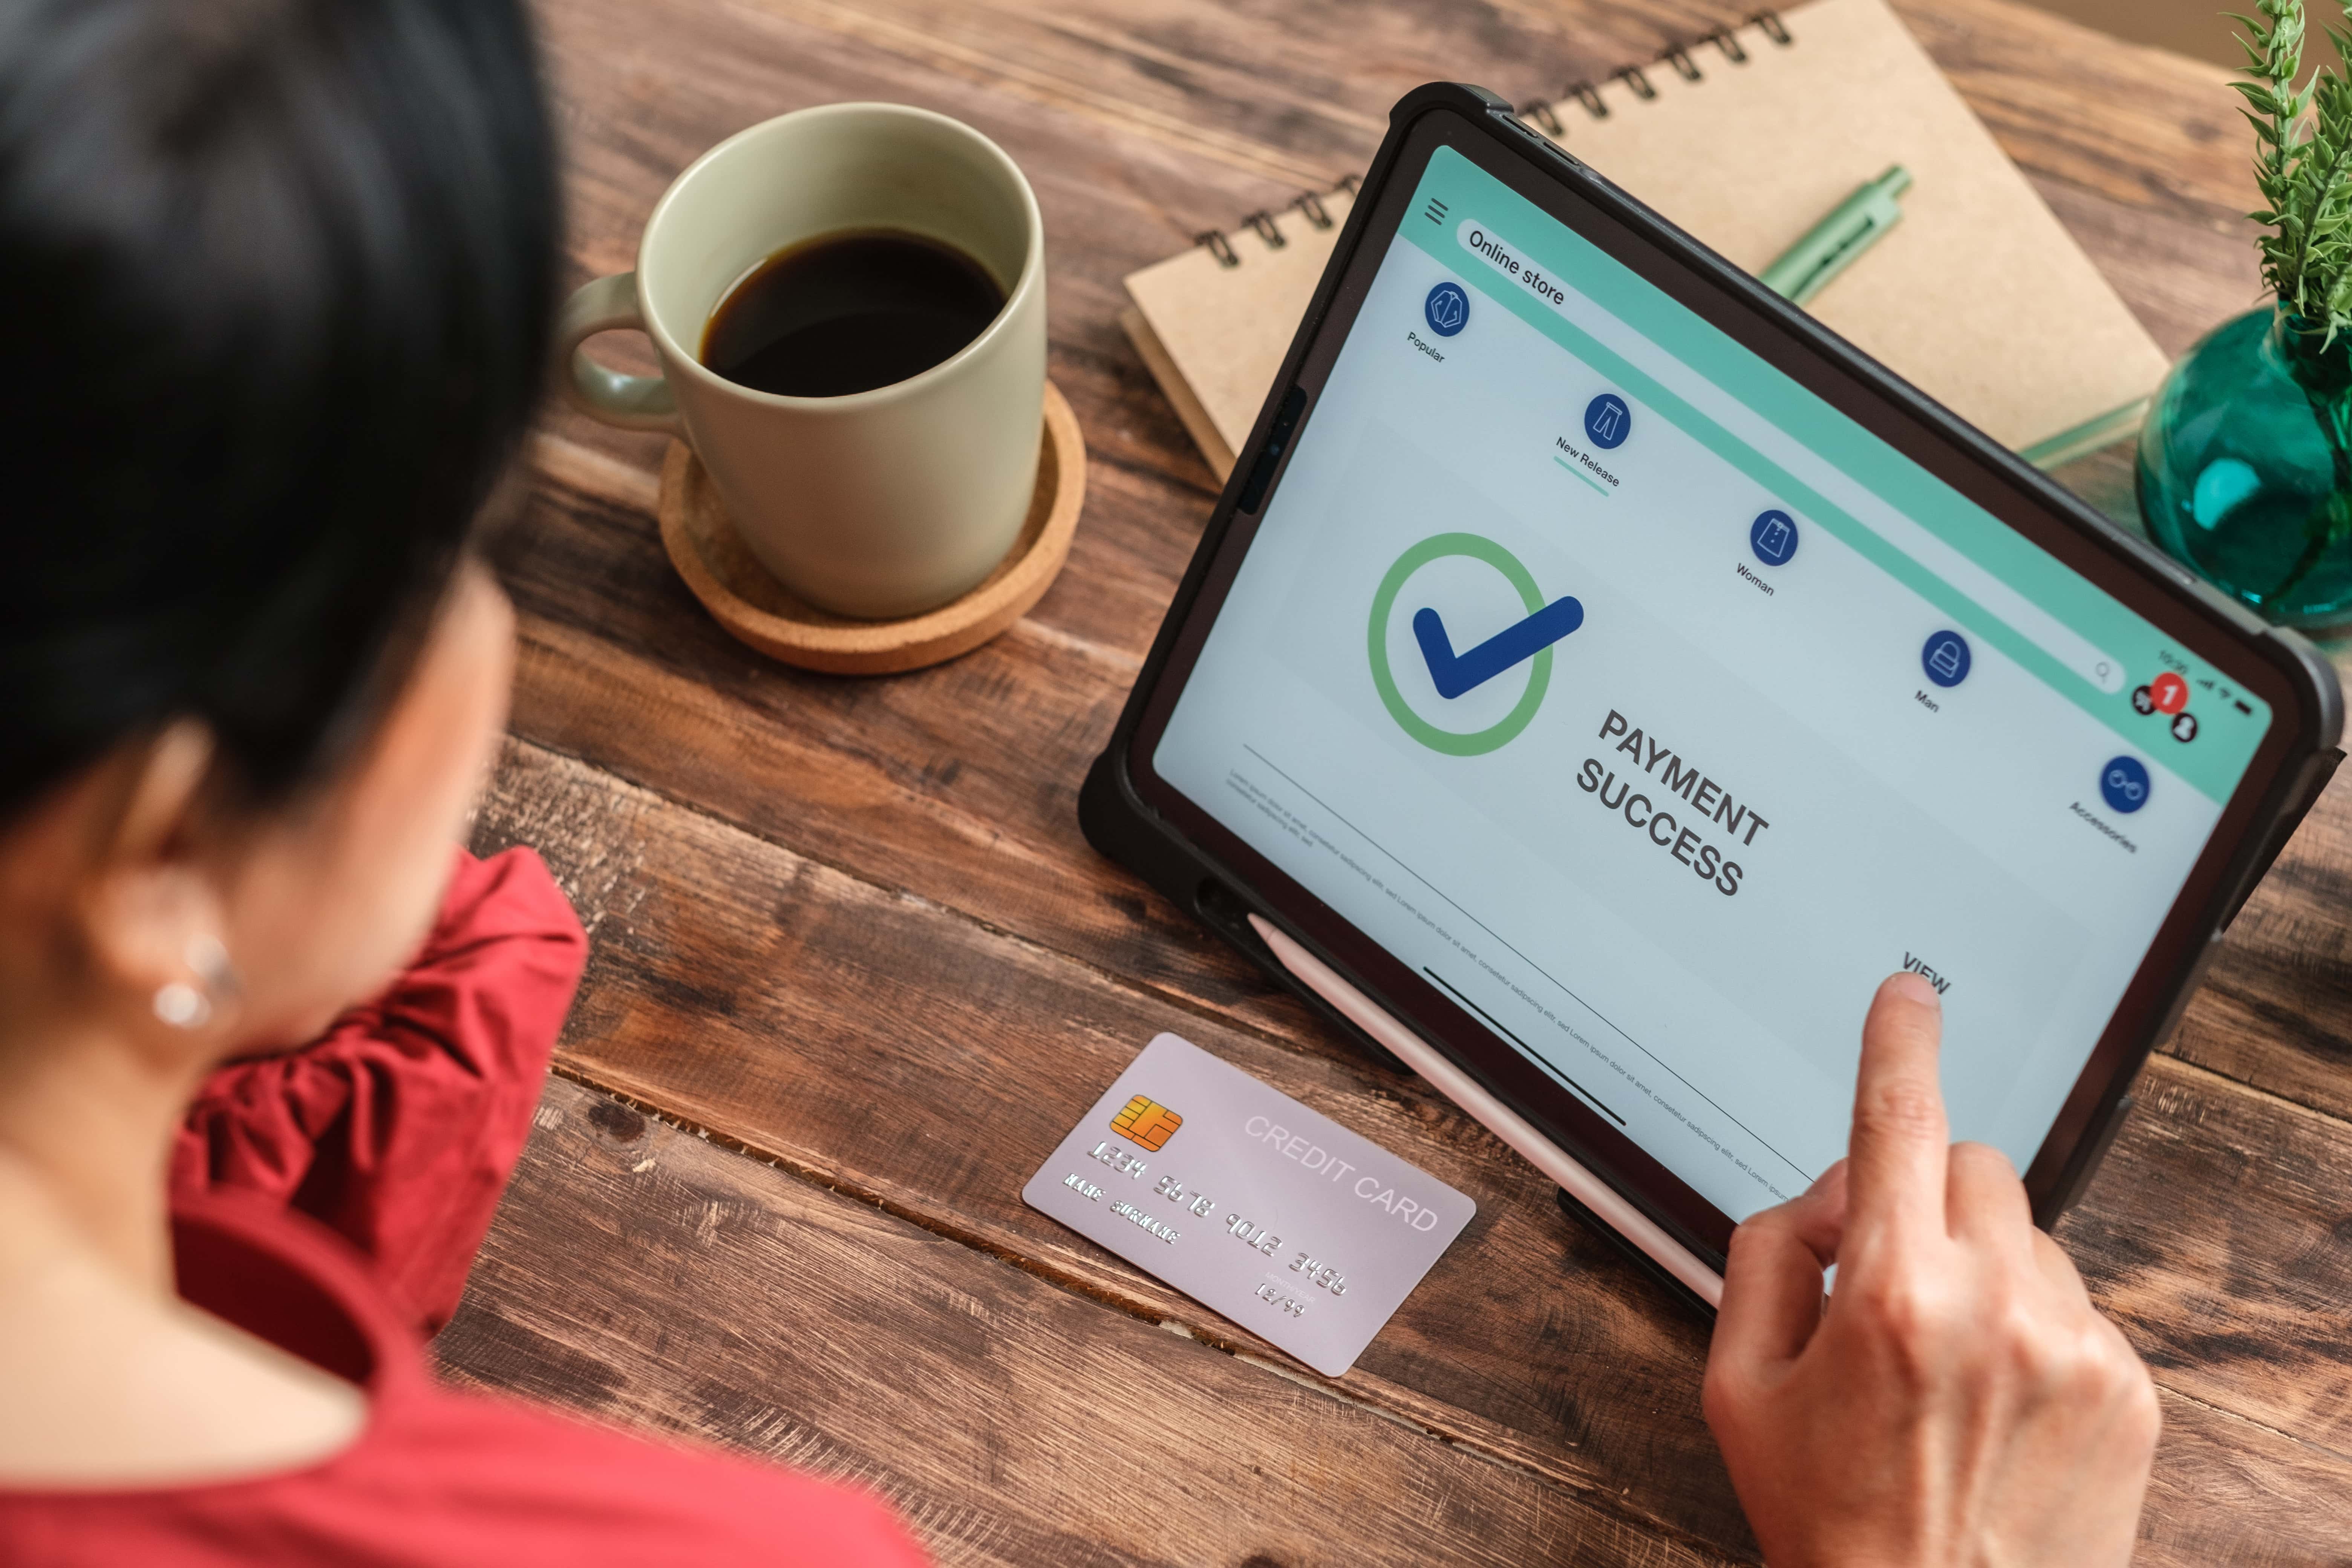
(758, 610)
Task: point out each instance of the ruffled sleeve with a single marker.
(400, 1127)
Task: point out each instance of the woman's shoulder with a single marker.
(445, 1476)
(541, 1485)
(110, 1384)
(109, 1387)
(433, 1475)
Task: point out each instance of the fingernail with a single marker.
(1918, 987)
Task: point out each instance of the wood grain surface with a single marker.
(1014, 1421)
(849, 933)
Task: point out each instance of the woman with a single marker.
(278, 277)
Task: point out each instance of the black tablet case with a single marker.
(1117, 821)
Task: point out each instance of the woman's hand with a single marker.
(1959, 1400)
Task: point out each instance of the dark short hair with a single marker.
(276, 278)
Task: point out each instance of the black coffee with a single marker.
(848, 312)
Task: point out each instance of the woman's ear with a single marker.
(150, 918)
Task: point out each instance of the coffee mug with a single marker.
(875, 504)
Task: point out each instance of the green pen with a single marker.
(1854, 226)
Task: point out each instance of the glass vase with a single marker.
(2245, 467)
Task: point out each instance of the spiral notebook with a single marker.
(1746, 138)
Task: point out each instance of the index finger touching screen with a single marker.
(1900, 1140)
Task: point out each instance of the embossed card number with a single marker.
(1250, 1204)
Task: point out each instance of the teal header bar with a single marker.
(2227, 737)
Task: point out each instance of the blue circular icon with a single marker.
(1447, 308)
(1946, 658)
(1608, 421)
(2123, 782)
(1773, 537)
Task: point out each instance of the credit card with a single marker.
(1249, 1202)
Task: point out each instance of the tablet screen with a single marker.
(1653, 710)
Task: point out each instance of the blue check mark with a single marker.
(1457, 673)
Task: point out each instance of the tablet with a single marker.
(1598, 677)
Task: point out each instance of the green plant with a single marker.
(2302, 167)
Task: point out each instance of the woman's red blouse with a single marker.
(331, 1200)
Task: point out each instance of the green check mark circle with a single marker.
(1437, 547)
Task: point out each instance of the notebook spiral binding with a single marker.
(1544, 113)
(1308, 205)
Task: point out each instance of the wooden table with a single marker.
(855, 972)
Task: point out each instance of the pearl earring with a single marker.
(185, 1006)
(182, 1005)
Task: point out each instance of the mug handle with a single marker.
(632, 401)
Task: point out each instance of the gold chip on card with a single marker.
(1146, 1122)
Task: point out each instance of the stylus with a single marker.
(1495, 1116)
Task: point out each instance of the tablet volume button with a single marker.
(1277, 441)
